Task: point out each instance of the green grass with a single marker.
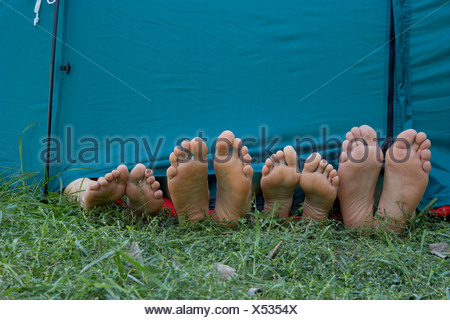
(55, 250)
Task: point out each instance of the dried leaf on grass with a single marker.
(441, 249)
(253, 291)
(226, 272)
(134, 252)
(272, 253)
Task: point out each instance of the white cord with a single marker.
(36, 10)
(37, 7)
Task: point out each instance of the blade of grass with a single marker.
(149, 274)
(20, 147)
(401, 265)
(103, 257)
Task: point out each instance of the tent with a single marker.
(132, 78)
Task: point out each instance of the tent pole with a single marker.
(50, 99)
(390, 103)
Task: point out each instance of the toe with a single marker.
(357, 134)
(150, 180)
(148, 172)
(247, 159)
(290, 156)
(349, 136)
(425, 145)
(158, 194)
(199, 149)
(115, 173)
(335, 181)
(244, 150)
(94, 185)
(155, 185)
(405, 139)
(322, 165)
(123, 173)
(102, 182)
(274, 160)
(333, 174)
(183, 152)
(312, 162)
(237, 147)
(173, 160)
(368, 134)
(224, 143)
(138, 173)
(280, 157)
(425, 154)
(327, 170)
(420, 138)
(248, 171)
(109, 177)
(267, 167)
(346, 147)
(187, 150)
(426, 166)
(343, 157)
(171, 172)
(265, 171)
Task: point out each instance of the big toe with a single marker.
(123, 173)
(224, 144)
(312, 162)
(368, 134)
(405, 139)
(290, 156)
(138, 173)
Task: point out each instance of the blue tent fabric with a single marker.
(275, 73)
(429, 88)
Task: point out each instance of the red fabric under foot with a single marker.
(168, 204)
(441, 211)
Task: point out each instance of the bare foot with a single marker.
(405, 178)
(360, 164)
(144, 196)
(279, 180)
(188, 180)
(319, 182)
(234, 178)
(106, 189)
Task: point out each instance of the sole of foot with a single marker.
(319, 182)
(106, 189)
(280, 176)
(405, 179)
(359, 167)
(144, 196)
(188, 180)
(234, 178)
